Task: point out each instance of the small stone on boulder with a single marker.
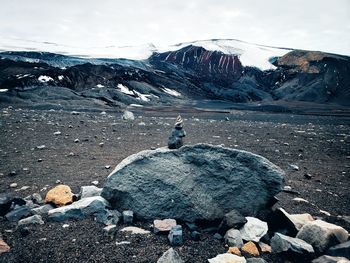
(60, 195)
(170, 256)
(254, 229)
(322, 235)
(110, 230)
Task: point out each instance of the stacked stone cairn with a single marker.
(176, 137)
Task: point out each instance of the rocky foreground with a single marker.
(48, 156)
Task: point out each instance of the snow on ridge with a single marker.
(172, 92)
(44, 78)
(125, 89)
(4, 90)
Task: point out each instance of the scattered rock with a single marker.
(37, 199)
(195, 235)
(76, 140)
(341, 250)
(202, 174)
(128, 217)
(89, 191)
(13, 185)
(40, 147)
(60, 195)
(65, 225)
(217, 236)
(18, 213)
(227, 258)
(251, 249)
(307, 176)
(57, 133)
(233, 219)
(42, 210)
(234, 250)
(330, 259)
(300, 220)
(35, 219)
(163, 226)
(128, 116)
(110, 230)
(294, 167)
(95, 183)
(254, 229)
(175, 140)
(108, 217)
(79, 209)
(170, 256)
(12, 173)
(298, 199)
(175, 236)
(135, 230)
(233, 238)
(265, 248)
(322, 235)
(281, 243)
(118, 243)
(279, 221)
(3, 247)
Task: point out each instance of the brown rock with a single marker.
(251, 249)
(3, 247)
(60, 195)
(234, 250)
(265, 248)
(165, 225)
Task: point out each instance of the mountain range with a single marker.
(232, 72)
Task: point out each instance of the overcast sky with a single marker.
(305, 24)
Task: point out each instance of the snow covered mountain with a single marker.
(227, 70)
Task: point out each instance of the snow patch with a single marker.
(44, 78)
(4, 90)
(100, 86)
(136, 105)
(143, 97)
(125, 89)
(171, 92)
(60, 77)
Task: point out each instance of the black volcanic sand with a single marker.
(319, 145)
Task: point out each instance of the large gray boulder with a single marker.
(198, 182)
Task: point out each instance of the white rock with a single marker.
(13, 185)
(94, 182)
(227, 258)
(118, 243)
(322, 235)
(254, 229)
(57, 133)
(300, 220)
(35, 219)
(128, 116)
(134, 230)
(170, 256)
(89, 191)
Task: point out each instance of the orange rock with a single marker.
(265, 248)
(251, 249)
(60, 195)
(234, 250)
(3, 247)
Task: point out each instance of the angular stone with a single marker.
(163, 226)
(89, 191)
(251, 249)
(79, 209)
(60, 195)
(170, 256)
(300, 220)
(37, 199)
(233, 238)
(265, 248)
(108, 217)
(4, 247)
(254, 229)
(227, 258)
(195, 235)
(330, 259)
(233, 219)
(234, 250)
(322, 235)
(110, 230)
(214, 178)
(35, 219)
(341, 250)
(279, 221)
(175, 236)
(42, 210)
(18, 213)
(128, 217)
(281, 243)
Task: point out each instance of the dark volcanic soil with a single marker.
(318, 145)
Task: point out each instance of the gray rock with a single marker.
(255, 260)
(128, 217)
(108, 217)
(330, 259)
(175, 236)
(37, 199)
(322, 235)
(254, 229)
(281, 243)
(35, 219)
(233, 238)
(165, 183)
(79, 209)
(341, 250)
(6, 203)
(110, 230)
(128, 116)
(233, 219)
(18, 213)
(89, 191)
(170, 256)
(217, 236)
(42, 210)
(195, 235)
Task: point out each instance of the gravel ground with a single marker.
(318, 145)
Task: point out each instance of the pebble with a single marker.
(307, 176)
(76, 140)
(13, 185)
(118, 243)
(57, 133)
(325, 212)
(65, 225)
(94, 182)
(101, 144)
(41, 147)
(13, 173)
(107, 167)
